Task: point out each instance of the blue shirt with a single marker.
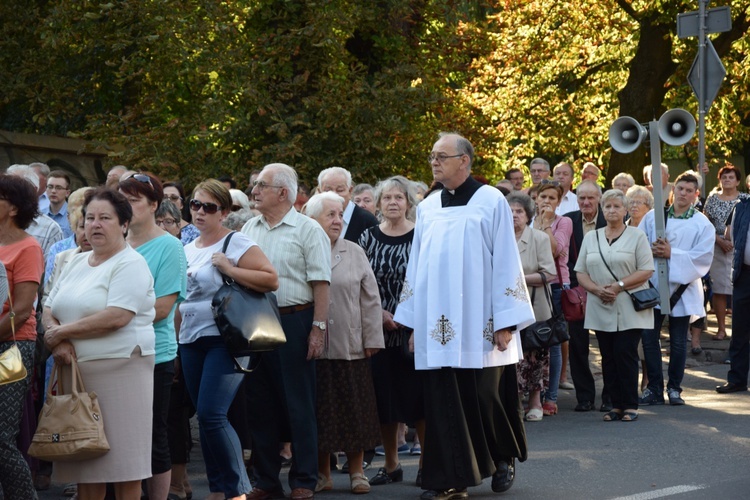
(61, 218)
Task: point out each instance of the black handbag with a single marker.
(248, 321)
(642, 299)
(547, 333)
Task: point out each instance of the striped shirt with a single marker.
(299, 250)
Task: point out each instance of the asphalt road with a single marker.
(697, 451)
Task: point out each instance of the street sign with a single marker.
(718, 20)
(715, 74)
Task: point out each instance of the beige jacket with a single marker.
(355, 318)
(535, 249)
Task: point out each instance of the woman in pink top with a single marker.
(559, 229)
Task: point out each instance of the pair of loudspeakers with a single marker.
(676, 127)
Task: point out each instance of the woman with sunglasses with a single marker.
(559, 230)
(211, 379)
(166, 261)
(174, 192)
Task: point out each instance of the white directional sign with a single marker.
(718, 20)
(715, 74)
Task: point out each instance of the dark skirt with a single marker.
(346, 407)
(399, 388)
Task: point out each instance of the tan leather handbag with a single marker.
(70, 427)
(11, 363)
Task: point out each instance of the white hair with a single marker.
(43, 168)
(314, 205)
(26, 172)
(239, 198)
(285, 176)
(335, 170)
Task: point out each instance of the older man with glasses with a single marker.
(281, 391)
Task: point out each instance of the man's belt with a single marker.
(296, 308)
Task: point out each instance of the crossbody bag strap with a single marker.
(605, 262)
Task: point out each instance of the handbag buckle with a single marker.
(55, 438)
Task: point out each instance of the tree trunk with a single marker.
(643, 95)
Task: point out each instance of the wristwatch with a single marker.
(320, 324)
(622, 285)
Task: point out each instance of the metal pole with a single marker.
(662, 265)
(702, 4)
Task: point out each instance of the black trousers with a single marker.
(281, 407)
(473, 419)
(620, 366)
(580, 368)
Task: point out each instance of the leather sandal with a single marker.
(359, 483)
(549, 408)
(612, 416)
(534, 415)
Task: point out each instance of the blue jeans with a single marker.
(555, 352)
(212, 383)
(678, 330)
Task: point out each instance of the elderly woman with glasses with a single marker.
(623, 181)
(639, 202)
(207, 365)
(174, 192)
(168, 217)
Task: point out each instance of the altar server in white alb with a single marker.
(689, 246)
(465, 297)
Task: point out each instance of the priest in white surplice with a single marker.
(465, 297)
(689, 246)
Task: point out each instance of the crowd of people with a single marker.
(403, 306)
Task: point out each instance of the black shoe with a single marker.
(584, 406)
(385, 477)
(606, 407)
(730, 387)
(450, 494)
(503, 477)
(418, 482)
(674, 397)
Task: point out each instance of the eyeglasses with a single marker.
(209, 208)
(51, 187)
(172, 197)
(140, 178)
(544, 182)
(166, 222)
(440, 157)
(262, 185)
(636, 203)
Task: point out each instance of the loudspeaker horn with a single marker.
(626, 134)
(676, 127)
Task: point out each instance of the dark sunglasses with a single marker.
(209, 208)
(140, 178)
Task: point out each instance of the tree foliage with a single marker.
(193, 89)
